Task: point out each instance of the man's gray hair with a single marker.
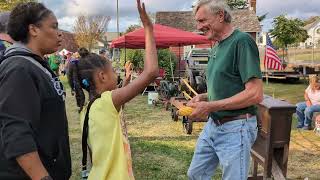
(215, 6)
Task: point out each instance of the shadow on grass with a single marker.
(165, 138)
(153, 158)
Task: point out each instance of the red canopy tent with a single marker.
(165, 37)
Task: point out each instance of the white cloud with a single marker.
(292, 8)
(66, 10)
(67, 22)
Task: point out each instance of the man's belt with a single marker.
(226, 119)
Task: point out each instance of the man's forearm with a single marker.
(32, 165)
(235, 102)
(250, 96)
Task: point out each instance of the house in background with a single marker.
(110, 36)
(313, 30)
(262, 39)
(68, 42)
(105, 42)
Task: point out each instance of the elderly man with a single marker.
(234, 87)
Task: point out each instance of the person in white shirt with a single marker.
(305, 110)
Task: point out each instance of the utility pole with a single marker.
(118, 18)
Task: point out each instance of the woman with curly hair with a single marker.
(34, 141)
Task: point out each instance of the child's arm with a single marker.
(122, 95)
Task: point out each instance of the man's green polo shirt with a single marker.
(232, 62)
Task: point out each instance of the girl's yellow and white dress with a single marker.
(111, 157)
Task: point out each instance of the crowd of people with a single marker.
(34, 141)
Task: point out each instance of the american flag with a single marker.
(271, 59)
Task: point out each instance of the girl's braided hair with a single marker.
(80, 76)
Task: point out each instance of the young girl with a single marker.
(105, 140)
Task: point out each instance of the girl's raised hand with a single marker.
(143, 15)
(150, 71)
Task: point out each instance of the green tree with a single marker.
(164, 56)
(237, 4)
(8, 5)
(288, 31)
(132, 28)
(135, 56)
(90, 29)
(262, 17)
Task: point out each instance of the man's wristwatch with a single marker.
(47, 178)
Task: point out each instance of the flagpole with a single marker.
(118, 32)
(265, 67)
(267, 78)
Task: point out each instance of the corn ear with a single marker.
(185, 111)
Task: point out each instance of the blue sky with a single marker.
(67, 10)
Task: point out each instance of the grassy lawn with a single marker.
(161, 150)
(303, 57)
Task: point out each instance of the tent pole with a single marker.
(171, 68)
(179, 61)
(125, 52)
(266, 67)
(125, 56)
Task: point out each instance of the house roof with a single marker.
(111, 36)
(311, 25)
(68, 42)
(244, 19)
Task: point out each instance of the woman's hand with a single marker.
(128, 68)
(308, 103)
(143, 15)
